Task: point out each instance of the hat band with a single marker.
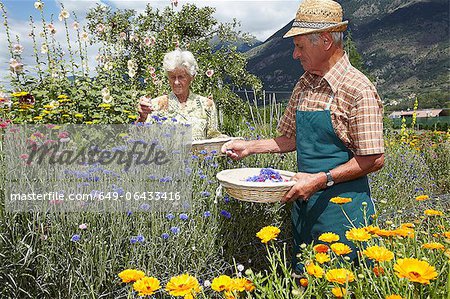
(312, 25)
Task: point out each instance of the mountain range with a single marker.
(404, 45)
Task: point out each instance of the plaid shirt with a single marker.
(356, 109)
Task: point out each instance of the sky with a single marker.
(261, 18)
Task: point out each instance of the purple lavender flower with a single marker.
(175, 230)
(225, 214)
(75, 238)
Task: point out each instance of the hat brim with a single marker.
(339, 27)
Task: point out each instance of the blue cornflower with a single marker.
(175, 230)
(203, 152)
(133, 240)
(226, 198)
(129, 213)
(166, 179)
(207, 214)
(174, 119)
(165, 236)
(140, 238)
(213, 152)
(252, 128)
(207, 158)
(75, 238)
(194, 157)
(188, 170)
(145, 206)
(170, 216)
(184, 216)
(202, 176)
(205, 193)
(152, 177)
(214, 165)
(225, 214)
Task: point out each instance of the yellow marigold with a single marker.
(322, 257)
(403, 232)
(394, 297)
(341, 276)
(229, 295)
(422, 197)
(131, 275)
(62, 96)
(415, 270)
(79, 115)
(385, 233)
(222, 283)
(340, 248)
(407, 225)
(183, 285)
(379, 254)
(243, 284)
(339, 292)
(314, 270)
(431, 212)
(19, 94)
(321, 248)
(340, 200)
(268, 233)
(447, 235)
(371, 229)
(358, 234)
(146, 286)
(433, 245)
(132, 116)
(329, 237)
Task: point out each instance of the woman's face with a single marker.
(180, 81)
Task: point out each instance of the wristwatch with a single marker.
(330, 181)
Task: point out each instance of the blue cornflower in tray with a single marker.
(266, 175)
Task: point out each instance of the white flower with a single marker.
(82, 226)
(131, 73)
(100, 27)
(44, 49)
(17, 49)
(240, 268)
(149, 41)
(64, 14)
(107, 98)
(76, 25)
(84, 36)
(209, 73)
(105, 91)
(51, 28)
(207, 283)
(39, 5)
(15, 66)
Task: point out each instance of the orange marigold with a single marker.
(431, 212)
(379, 254)
(415, 270)
(358, 234)
(340, 248)
(339, 292)
(341, 276)
(433, 245)
(422, 197)
(321, 248)
(314, 270)
(329, 237)
(394, 297)
(340, 200)
(322, 257)
(378, 271)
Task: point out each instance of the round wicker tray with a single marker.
(235, 184)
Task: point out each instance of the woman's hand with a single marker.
(144, 108)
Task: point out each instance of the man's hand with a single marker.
(307, 184)
(144, 108)
(236, 149)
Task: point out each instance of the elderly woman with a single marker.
(181, 103)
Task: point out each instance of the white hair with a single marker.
(180, 59)
(338, 38)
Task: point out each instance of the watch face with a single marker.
(330, 183)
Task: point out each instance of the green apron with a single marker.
(319, 149)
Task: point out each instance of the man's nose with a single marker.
(296, 54)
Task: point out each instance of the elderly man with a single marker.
(334, 121)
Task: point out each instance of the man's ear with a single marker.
(326, 40)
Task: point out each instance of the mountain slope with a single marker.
(404, 44)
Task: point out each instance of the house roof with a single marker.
(419, 113)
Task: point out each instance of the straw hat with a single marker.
(315, 16)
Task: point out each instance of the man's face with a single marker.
(179, 81)
(311, 56)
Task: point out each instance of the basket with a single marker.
(209, 145)
(235, 184)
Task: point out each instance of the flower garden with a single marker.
(219, 247)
